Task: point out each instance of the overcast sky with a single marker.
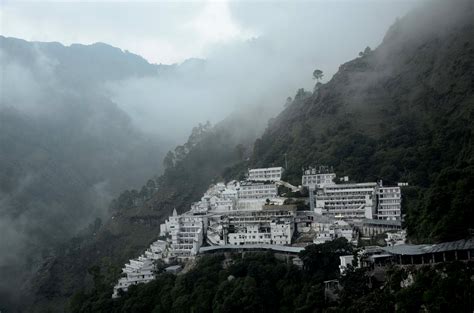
(257, 53)
(172, 31)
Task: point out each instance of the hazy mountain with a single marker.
(402, 112)
(66, 148)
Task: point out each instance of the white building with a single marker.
(255, 190)
(185, 232)
(251, 233)
(344, 262)
(269, 225)
(157, 250)
(137, 271)
(317, 177)
(389, 203)
(396, 238)
(347, 201)
(265, 174)
(333, 230)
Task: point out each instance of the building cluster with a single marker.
(353, 201)
(252, 213)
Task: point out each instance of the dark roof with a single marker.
(407, 249)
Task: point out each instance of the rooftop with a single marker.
(408, 249)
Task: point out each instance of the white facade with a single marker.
(254, 233)
(317, 177)
(186, 233)
(344, 262)
(347, 201)
(266, 174)
(251, 190)
(137, 271)
(333, 230)
(389, 203)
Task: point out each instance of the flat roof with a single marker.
(279, 248)
(408, 249)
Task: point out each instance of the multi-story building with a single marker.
(265, 174)
(358, 201)
(137, 271)
(272, 224)
(389, 203)
(347, 201)
(282, 231)
(257, 190)
(157, 250)
(317, 177)
(186, 233)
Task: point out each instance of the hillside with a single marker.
(136, 214)
(402, 112)
(66, 148)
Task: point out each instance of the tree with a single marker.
(318, 74)
(367, 51)
(168, 161)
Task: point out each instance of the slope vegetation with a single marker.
(402, 112)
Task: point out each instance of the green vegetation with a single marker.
(259, 282)
(391, 116)
(136, 214)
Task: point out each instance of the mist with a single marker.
(288, 41)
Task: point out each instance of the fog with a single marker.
(291, 40)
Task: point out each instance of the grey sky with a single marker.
(172, 31)
(257, 52)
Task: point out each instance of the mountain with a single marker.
(402, 112)
(135, 215)
(66, 148)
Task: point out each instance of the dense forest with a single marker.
(66, 148)
(136, 214)
(260, 282)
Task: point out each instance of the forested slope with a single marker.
(136, 214)
(402, 112)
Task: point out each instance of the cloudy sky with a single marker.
(172, 31)
(257, 52)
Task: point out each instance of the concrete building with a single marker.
(185, 232)
(317, 177)
(265, 174)
(135, 272)
(346, 201)
(157, 250)
(257, 190)
(344, 262)
(358, 201)
(389, 206)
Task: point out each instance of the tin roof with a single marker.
(408, 249)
